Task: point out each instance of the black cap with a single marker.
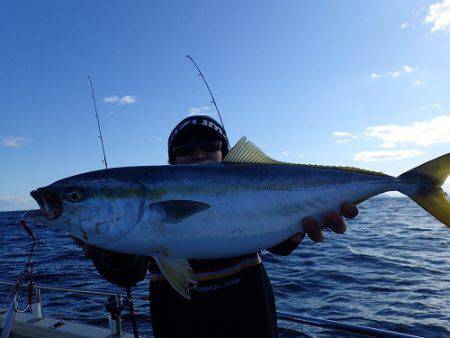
(199, 127)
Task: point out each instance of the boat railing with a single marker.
(339, 326)
(80, 291)
(116, 327)
(115, 322)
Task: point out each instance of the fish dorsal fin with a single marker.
(246, 152)
(178, 273)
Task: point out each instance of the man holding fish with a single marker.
(191, 217)
(232, 297)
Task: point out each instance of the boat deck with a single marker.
(26, 326)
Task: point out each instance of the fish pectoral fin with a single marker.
(178, 273)
(177, 210)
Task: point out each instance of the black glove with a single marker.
(117, 268)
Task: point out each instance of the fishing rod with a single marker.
(209, 89)
(98, 123)
(128, 289)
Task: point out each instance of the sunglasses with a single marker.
(189, 148)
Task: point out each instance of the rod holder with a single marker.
(36, 308)
(115, 325)
(114, 306)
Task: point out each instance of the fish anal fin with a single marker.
(178, 273)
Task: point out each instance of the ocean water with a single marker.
(390, 270)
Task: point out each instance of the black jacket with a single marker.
(238, 305)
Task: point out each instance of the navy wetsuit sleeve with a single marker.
(121, 269)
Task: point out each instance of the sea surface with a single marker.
(390, 270)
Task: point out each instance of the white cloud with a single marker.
(343, 137)
(199, 111)
(418, 13)
(194, 111)
(408, 69)
(387, 145)
(128, 99)
(341, 134)
(439, 16)
(124, 100)
(437, 105)
(396, 73)
(286, 153)
(111, 99)
(417, 83)
(404, 25)
(11, 203)
(14, 142)
(420, 133)
(383, 155)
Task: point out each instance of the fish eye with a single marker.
(75, 196)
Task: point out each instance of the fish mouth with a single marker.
(49, 202)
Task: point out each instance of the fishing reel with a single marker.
(115, 305)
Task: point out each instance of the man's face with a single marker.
(200, 156)
(197, 148)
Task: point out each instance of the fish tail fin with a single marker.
(423, 186)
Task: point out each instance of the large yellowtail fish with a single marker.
(245, 204)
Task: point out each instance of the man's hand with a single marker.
(333, 220)
(117, 268)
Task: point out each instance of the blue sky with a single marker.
(360, 83)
